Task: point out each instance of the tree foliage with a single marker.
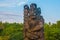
(14, 31)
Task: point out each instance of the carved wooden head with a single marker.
(26, 9)
(33, 6)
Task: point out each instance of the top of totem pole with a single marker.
(26, 7)
(33, 6)
(33, 9)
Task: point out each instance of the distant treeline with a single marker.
(14, 31)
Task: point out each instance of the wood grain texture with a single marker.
(33, 23)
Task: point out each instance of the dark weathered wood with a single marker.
(33, 23)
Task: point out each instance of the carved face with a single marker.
(26, 7)
(26, 11)
(33, 6)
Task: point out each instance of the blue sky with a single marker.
(12, 10)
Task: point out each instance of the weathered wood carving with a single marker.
(33, 23)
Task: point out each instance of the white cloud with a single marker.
(20, 3)
(12, 3)
(6, 5)
(10, 17)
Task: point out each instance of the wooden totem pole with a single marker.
(33, 23)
